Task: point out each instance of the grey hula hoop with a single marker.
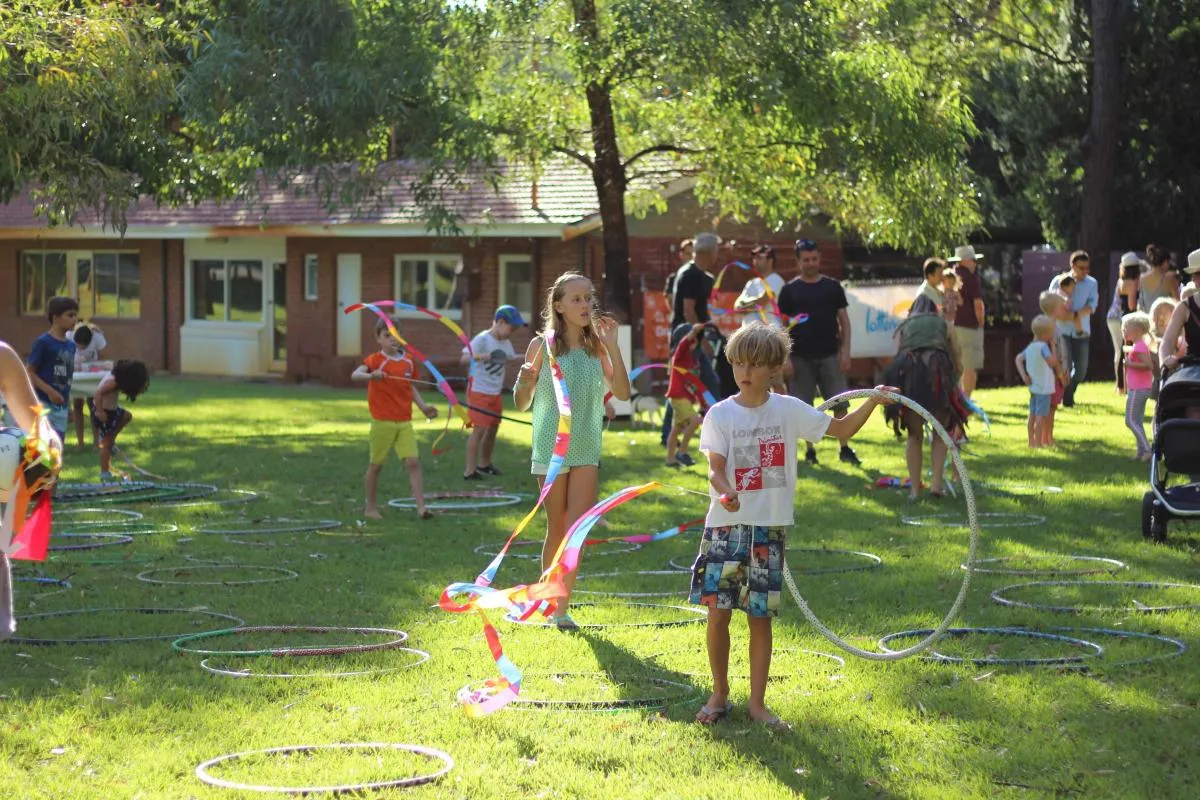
(299, 527)
(998, 596)
(216, 669)
(521, 701)
(1001, 662)
(114, 639)
(1108, 565)
(458, 503)
(95, 541)
(121, 514)
(972, 545)
(280, 574)
(428, 752)
(672, 572)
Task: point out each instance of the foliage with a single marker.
(779, 108)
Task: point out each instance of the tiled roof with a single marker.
(564, 193)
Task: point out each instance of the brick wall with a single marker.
(150, 338)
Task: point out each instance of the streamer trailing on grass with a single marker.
(524, 601)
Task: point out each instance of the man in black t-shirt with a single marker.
(820, 344)
(692, 285)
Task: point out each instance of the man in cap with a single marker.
(821, 344)
(968, 321)
(1077, 331)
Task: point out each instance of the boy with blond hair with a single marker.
(1037, 366)
(1054, 306)
(750, 441)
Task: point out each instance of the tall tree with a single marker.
(780, 108)
(1100, 145)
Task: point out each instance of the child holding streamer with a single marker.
(750, 441)
(584, 345)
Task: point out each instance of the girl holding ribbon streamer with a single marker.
(750, 441)
(567, 369)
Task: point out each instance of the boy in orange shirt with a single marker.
(390, 397)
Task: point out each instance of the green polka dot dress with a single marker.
(585, 385)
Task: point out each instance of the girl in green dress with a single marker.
(585, 348)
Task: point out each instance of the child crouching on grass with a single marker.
(390, 397)
(131, 378)
(750, 441)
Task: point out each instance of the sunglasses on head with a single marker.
(805, 245)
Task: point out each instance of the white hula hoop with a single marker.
(972, 546)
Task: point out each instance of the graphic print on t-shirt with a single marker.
(760, 465)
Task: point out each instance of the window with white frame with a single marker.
(107, 284)
(310, 276)
(516, 284)
(429, 281)
(227, 290)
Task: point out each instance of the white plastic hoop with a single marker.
(972, 545)
(436, 755)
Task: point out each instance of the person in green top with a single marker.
(585, 348)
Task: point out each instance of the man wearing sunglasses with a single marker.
(821, 344)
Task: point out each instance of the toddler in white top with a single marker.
(1037, 366)
(750, 441)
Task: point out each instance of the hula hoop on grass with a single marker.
(71, 492)
(132, 528)
(675, 573)
(873, 561)
(422, 657)
(626, 547)
(972, 544)
(180, 644)
(428, 752)
(1112, 566)
(681, 691)
(300, 527)
(999, 662)
(113, 639)
(993, 487)
(699, 615)
(999, 597)
(955, 521)
(281, 575)
(102, 540)
(465, 504)
(121, 514)
(1180, 647)
(42, 580)
(199, 494)
(836, 659)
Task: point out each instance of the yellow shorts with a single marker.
(388, 434)
(683, 409)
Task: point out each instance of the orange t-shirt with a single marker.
(390, 399)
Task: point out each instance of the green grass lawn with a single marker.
(134, 720)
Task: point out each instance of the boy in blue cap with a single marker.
(492, 351)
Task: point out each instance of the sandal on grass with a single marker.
(773, 723)
(565, 623)
(711, 716)
(426, 514)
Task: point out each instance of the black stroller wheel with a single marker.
(1158, 525)
(1147, 514)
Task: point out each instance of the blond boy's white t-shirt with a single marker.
(759, 446)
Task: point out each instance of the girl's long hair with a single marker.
(553, 321)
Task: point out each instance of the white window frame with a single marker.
(430, 292)
(191, 320)
(501, 299)
(311, 268)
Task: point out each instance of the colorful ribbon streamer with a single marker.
(787, 321)
(442, 384)
(697, 385)
(647, 538)
(28, 538)
(525, 600)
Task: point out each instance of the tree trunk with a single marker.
(1100, 154)
(1100, 143)
(608, 173)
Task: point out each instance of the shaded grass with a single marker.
(134, 719)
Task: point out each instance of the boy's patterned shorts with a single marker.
(740, 566)
(108, 427)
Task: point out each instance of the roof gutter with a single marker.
(535, 230)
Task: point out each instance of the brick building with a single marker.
(247, 290)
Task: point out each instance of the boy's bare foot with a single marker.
(425, 513)
(764, 716)
(372, 513)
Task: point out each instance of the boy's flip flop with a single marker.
(426, 514)
(774, 723)
(711, 716)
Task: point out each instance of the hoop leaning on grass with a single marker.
(972, 546)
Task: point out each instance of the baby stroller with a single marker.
(1175, 451)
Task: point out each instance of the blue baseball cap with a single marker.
(510, 315)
